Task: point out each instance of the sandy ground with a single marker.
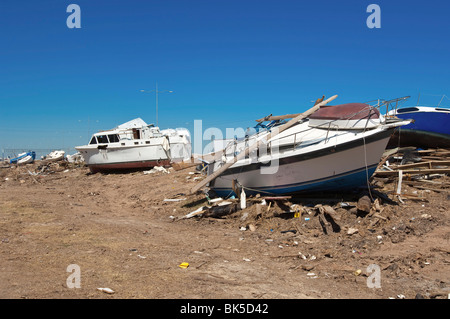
(121, 234)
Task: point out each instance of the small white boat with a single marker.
(55, 156)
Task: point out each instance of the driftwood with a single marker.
(287, 116)
(414, 172)
(327, 219)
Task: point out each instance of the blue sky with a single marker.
(227, 62)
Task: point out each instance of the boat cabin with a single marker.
(121, 135)
(346, 116)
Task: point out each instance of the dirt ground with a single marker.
(121, 234)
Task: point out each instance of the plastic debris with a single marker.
(156, 169)
(106, 290)
(184, 265)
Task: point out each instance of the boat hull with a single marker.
(340, 167)
(109, 167)
(430, 128)
(419, 138)
(124, 158)
(24, 158)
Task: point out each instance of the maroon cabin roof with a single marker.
(349, 111)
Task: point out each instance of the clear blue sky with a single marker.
(227, 61)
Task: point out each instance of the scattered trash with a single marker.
(289, 231)
(156, 169)
(196, 212)
(243, 199)
(174, 199)
(106, 290)
(75, 158)
(183, 265)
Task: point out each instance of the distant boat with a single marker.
(24, 158)
(55, 156)
(132, 145)
(430, 127)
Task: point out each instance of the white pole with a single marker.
(157, 104)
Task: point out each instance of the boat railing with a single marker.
(390, 105)
(230, 150)
(286, 142)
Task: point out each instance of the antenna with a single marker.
(441, 100)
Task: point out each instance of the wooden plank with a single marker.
(427, 188)
(276, 197)
(428, 164)
(415, 172)
(287, 116)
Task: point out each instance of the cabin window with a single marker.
(93, 140)
(407, 109)
(113, 138)
(102, 139)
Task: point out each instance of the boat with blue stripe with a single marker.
(336, 148)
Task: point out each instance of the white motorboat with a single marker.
(132, 145)
(336, 148)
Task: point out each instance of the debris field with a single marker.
(143, 235)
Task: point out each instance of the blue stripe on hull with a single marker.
(342, 182)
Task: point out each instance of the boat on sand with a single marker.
(132, 145)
